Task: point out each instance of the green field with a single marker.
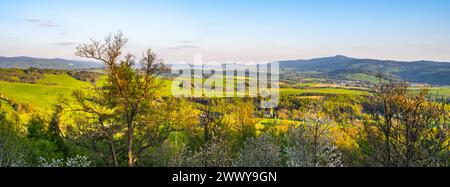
(63, 80)
(445, 91)
(307, 84)
(291, 91)
(436, 91)
(362, 77)
(101, 81)
(38, 96)
(44, 95)
(314, 80)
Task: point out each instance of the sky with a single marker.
(232, 30)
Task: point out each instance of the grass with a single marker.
(278, 125)
(284, 91)
(38, 96)
(307, 84)
(63, 80)
(440, 91)
(436, 91)
(168, 84)
(199, 82)
(362, 77)
(44, 95)
(101, 80)
(292, 91)
(314, 80)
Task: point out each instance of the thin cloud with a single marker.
(41, 23)
(187, 42)
(66, 43)
(181, 47)
(47, 25)
(33, 20)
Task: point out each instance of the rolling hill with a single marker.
(337, 67)
(43, 63)
(429, 72)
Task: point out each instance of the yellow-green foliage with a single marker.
(275, 125)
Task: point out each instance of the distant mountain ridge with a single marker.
(429, 72)
(24, 62)
(338, 67)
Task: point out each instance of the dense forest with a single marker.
(127, 122)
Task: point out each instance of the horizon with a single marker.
(281, 60)
(226, 31)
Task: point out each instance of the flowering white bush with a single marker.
(312, 146)
(11, 160)
(216, 153)
(78, 161)
(260, 152)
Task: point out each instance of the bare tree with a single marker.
(404, 129)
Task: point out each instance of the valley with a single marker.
(43, 94)
(338, 103)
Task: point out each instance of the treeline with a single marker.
(86, 76)
(19, 75)
(32, 75)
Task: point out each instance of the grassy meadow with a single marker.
(45, 93)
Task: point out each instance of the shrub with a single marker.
(260, 152)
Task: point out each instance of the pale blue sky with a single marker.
(232, 30)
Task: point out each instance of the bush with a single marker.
(13, 148)
(77, 161)
(260, 152)
(312, 146)
(216, 153)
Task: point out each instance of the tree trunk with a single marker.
(130, 144)
(113, 150)
(387, 133)
(110, 142)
